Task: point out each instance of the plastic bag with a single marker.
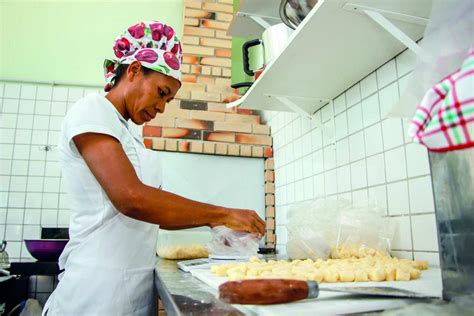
(336, 228)
(232, 244)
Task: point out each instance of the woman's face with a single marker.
(147, 95)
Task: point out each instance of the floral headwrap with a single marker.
(154, 44)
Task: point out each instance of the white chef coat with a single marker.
(110, 257)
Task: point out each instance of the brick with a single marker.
(196, 147)
(268, 152)
(219, 137)
(162, 120)
(171, 106)
(205, 96)
(158, 144)
(148, 143)
(219, 107)
(194, 124)
(221, 149)
(184, 146)
(233, 127)
(269, 199)
(226, 1)
(208, 116)
(171, 145)
(152, 131)
(206, 80)
(216, 71)
(270, 223)
(193, 105)
(218, 7)
(245, 111)
(184, 133)
(188, 78)
(269, 176)
(183, 94)
(222, 52)
(191, 21)
(198, 31)
(270, 164)
(222, 34)
(246, 151)
(254, 119)
(185, 69)
(216, 61)
(196, 69)
(191, 86)
(215, 24)
(206, 70)
(226, 72)
(223, 81)
(193, 60)
(270, 237)
(216, 42)
(261, 129)
(192, 40)
(219, 89)
(257, 151)
(209, 148)
(229, 97)
(270, 211)
(198, 50)
(270, 187)
(224, 17)
(178, 113)
(200, 14)
(233, 150)
(253, 139)
(196, 4)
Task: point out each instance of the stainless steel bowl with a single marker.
(293, 12)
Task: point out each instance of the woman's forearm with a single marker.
(171, 211)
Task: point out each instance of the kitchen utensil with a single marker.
(274, 39)
(4, 261)
(293, 12)
(46, 249)
(276, 291)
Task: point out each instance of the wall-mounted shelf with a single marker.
(334, 47)
(251, 15)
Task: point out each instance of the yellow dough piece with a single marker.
(375, 268)
(402, 275)
(192, 251)
(377, 275)
(361, 276)
(346, 276)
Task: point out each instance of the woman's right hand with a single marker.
(242, 220)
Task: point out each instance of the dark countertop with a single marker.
(182, 294)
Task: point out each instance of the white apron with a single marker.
(112, 271)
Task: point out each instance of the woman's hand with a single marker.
(242, 220)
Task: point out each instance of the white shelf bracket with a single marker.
(292, 106)
(379, 17)
(260, 21)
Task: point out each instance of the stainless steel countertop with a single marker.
(183, 294)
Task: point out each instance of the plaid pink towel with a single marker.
(444, 120)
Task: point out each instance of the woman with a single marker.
(114, 183)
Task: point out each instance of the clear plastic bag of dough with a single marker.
(333, 228)
(363, 231)
(311, 227)
(230, 244)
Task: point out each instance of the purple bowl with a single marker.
(46, 249)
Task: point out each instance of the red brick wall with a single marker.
(198, 121)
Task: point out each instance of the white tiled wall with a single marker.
(32, 194)
(359, 154)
